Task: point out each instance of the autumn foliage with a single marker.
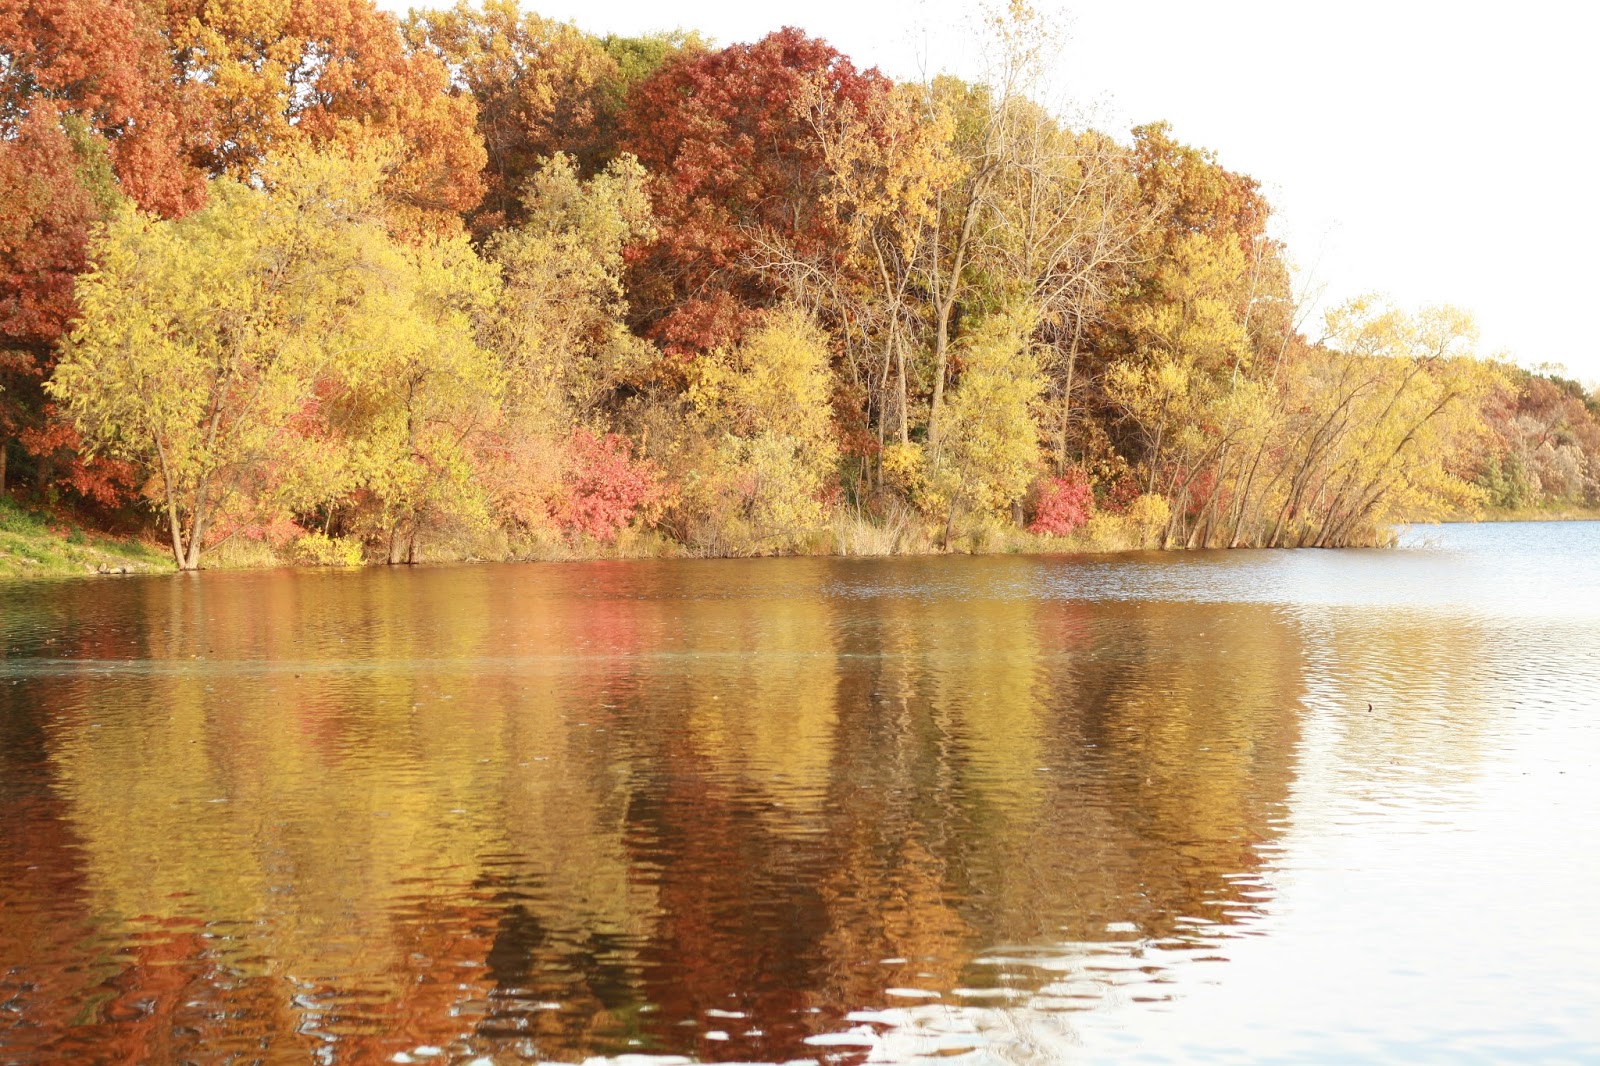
(738, 172)
(602, 488)
(1063, 507)
(478, 282)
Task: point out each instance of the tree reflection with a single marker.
(570, 810)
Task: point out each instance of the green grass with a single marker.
(33, 545)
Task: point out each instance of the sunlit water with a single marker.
(1012, 809)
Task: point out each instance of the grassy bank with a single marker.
(33, 545)
(36, 545)
(847, 535)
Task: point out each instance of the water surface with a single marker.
(1006, 809)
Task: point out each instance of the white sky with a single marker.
(1433, 152)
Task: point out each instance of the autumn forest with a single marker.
(302, 281)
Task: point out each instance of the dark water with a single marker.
(958, 810)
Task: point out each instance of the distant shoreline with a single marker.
(1564, 514)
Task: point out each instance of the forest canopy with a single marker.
(475, 283)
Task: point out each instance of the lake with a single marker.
(1295, 806)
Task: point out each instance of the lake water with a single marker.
(1295, 806)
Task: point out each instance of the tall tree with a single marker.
(414, 400)
(205, 341)
(726, 138)
(560, 327)
(541, 86)
(88, 113)
(1068, 228)
(887, 166)
(105, 62)
(274, 74)
(56, 183)
(559, 331)
(991, 123)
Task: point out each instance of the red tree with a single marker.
(735, 161)
(47, 185)
(106, 62)
(88, 110)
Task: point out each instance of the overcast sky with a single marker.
(1433, 152)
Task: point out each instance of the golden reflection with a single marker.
(568, 810)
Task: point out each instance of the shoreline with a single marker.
(33, 548)
(1564, 514)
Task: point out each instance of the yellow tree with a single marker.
(988, 123)
(1391, 420)
(1193, 346)
(541, 86)
(1068, 227)
(988, 454)
(417, 399)
(762, 485)
(1206, 297)
(201, 339)
(560, 324)
(559, 328)
(887, 164)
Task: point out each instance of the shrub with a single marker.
(319, 549)
(766, 475)
(903, 468)
(602, 487)
(988, 446)
(1064, 505)
(1149, 515)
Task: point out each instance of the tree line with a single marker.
(474, 282)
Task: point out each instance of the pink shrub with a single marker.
(1064, 504)
(602, 487)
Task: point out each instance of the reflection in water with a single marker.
(729, 810)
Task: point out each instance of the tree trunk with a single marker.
(177, 535)
(946, 303)
(900, 388)
(1242, 513)
(1066, 396)
(1063, 426)
(1155, 456)
(875, 471)
(396, 546)
(941, 360)
(173, 526)
(197, 527)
